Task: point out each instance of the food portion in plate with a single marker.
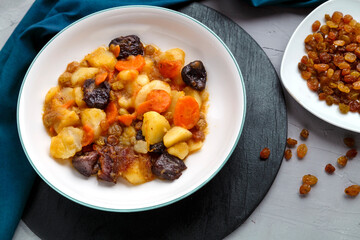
(128, 110)
(332, 64)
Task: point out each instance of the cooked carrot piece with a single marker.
(157, 100)
(187, 112)
(111, 113)
(88, 136)
(101, 77)
(127, 119)
(136, 63)
(169, 69)
(69, 103)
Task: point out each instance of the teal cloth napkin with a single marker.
(292, 3)
(43, 20)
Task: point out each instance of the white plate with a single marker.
(166, 29)
(294, 51)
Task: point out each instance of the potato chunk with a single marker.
(154, 127)
(93, 118)
(175, 135)
(139, 171)
(175, 95)
(66, 143)
(79, 76)
(79, 95)
(101, 57)
(180, 150)
(194, 146)
(193, 93)
(65, 118)
(144, 91)
(174, 54)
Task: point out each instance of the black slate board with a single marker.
(220, 206)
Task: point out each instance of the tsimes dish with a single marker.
(156, 27)
(129, 110)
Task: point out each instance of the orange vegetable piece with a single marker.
(116, 50)
(69, 103)
(101, 77)
(187, 112)
(169, 69)
(88, 136)
(127, 119)
(111, 113)
(136, 63)
(157, 100)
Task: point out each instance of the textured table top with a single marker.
(326, 213)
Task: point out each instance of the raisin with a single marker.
(265, 153)
(329, 168)
(301, 150)
(350, 142)
(316, 25)
(304, 188)
(129, 45)
(309, 179)
(352, 190)
(291, 142)
(342, 161)
(351, 153)
(287, 154)
(304, 133)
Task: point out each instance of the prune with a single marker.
(86, 163)
(96, 96)
(168, 167)
(194, 75)
(157, 148)
(129, 45)
(139, 135)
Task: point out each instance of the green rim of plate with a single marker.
(158, 205)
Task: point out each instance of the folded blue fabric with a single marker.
(44, 19)
(292, 3)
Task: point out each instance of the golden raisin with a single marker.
(287, 154)
(316, 25)
(351, 153)
(309, 179)
(349, 141)
(291, 142)
(329, 168)
(352, 190)
(342, 161)
(301, 150)
(304, 188)
(265, 153)
(304, 133)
